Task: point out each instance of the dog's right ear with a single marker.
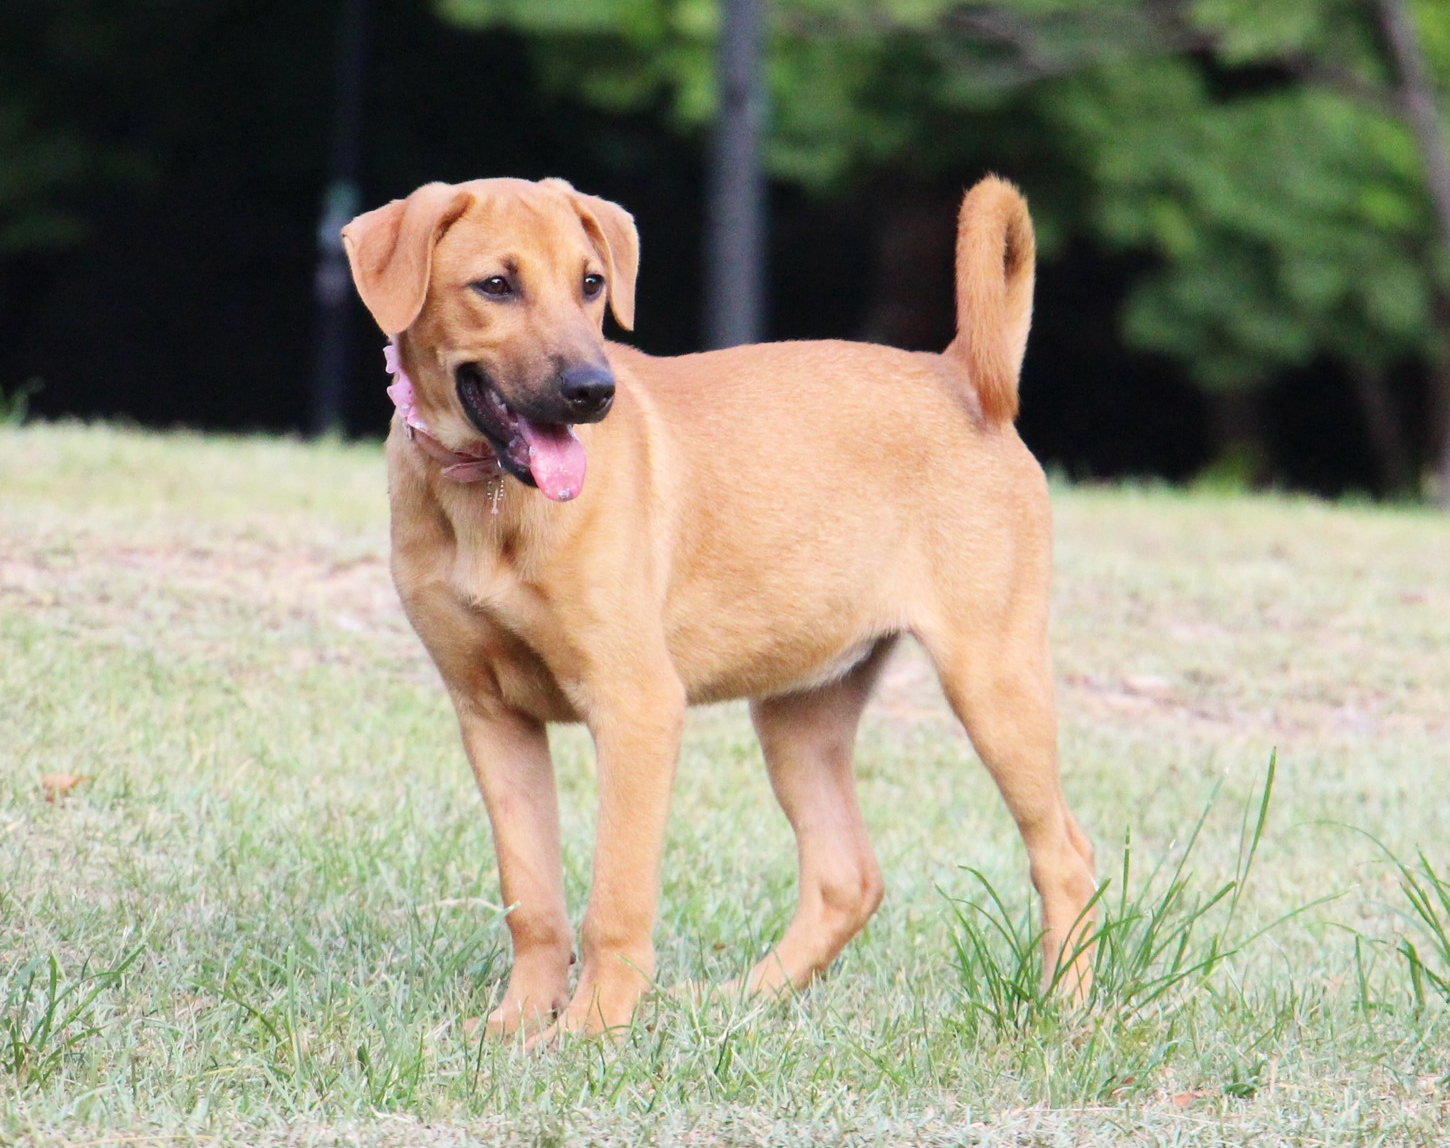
(390, 250)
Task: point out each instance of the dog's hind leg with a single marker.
(808, 739)
(1000, 684)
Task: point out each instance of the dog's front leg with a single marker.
(509, 753)
(636, 728)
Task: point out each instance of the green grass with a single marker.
(268, 912)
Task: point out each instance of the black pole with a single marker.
(331, 289)
(735, 219)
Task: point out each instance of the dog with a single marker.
(585, 533)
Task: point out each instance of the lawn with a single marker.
(267, 910)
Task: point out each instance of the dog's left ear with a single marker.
(613, 232)
(390, 250)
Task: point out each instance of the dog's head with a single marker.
(497, 288)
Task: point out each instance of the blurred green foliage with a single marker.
(1251, 151)
(1284, 226)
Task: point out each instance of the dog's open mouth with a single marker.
(547, 455)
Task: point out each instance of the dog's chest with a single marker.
(514, 636)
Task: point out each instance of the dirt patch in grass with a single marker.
(322, 602)
(1199, 619)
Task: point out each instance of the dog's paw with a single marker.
(584, 1027)
(516, 1016)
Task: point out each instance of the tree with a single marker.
(1287, 227)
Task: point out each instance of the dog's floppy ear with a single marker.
(390, 250)
(613, 232)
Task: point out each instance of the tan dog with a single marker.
(761, 522)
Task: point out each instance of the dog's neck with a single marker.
(477, 463)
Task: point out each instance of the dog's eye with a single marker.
(495, 285)
(593, 284)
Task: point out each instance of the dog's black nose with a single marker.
(587, 389)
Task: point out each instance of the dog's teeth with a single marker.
(502, 408)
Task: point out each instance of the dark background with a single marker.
(184, 295)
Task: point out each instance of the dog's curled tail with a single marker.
(996, 264)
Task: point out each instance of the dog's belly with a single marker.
(771, 677)
(719, 657)
(784, 605)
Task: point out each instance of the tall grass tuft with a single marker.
(1156, 937)
(46, 1016)
(1429, 895)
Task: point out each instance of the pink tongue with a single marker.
(556, 459)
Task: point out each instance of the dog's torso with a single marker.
(760, 518)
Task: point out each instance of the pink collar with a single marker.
(475, 464)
